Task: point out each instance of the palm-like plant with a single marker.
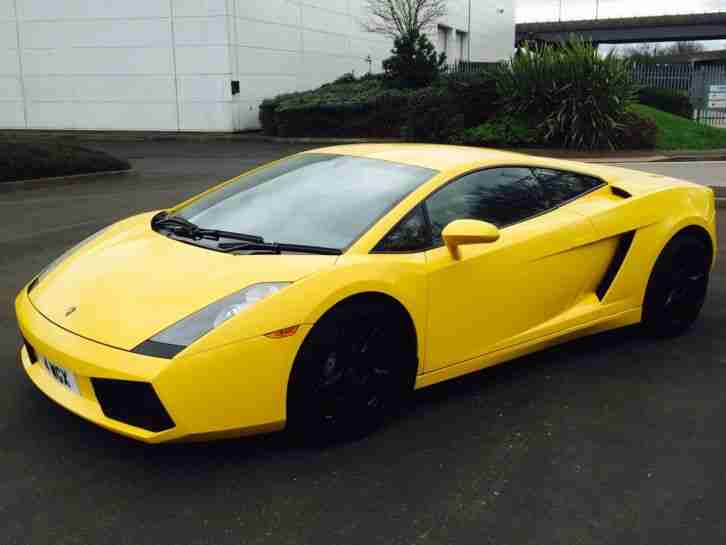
(578, 97)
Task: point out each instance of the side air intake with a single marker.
(626, 240)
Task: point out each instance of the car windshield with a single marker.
(312, 199)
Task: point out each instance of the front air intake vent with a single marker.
(134, 403)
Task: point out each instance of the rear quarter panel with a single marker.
(657, 210)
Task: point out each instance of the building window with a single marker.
(462, 45)
(444, 40)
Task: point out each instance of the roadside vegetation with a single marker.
(23, 161)
(568, 97)
(677, 133)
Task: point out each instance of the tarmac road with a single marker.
(711, 173)
(617, 439)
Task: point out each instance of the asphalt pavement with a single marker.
(615, 439)
(711, 173)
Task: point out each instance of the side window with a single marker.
(410, 235)
(560, 187)
(501, 196)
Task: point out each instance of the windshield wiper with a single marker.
(278, 248)
(183, 227)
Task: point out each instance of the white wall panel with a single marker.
(9, 65)
(326, 20)
(207, 8)
(284, 12)
(200, 31)
(264, 86)
(101, 88)
(268, 35)
(325, 42)
(198, 88)
(11, 115)
(110, 63)
(255, 61)
(79, 9)
(105, 115)
(202, 60)
(247, 113)
(8, 35)
(7, 9)
(11, 89)
(97, 61)
(207, 116)
(96, 33)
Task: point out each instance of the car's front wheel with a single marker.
(355, 367)
(677, 286)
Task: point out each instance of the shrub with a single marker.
(639, 132)
(414, 62)
(505, 131)
(360, 108)
(577, 97)
(21, 160)
(451, 104)
(674, 102)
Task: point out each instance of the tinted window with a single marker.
(314, 199)
(501, 196)
(410, 235)
(560, 187)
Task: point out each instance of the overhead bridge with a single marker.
(666, 28)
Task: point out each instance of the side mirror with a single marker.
(462, 232)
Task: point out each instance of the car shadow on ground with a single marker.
(490, 391)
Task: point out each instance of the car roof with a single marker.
(433, 156)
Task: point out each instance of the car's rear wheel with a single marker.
(677, 286)
(353, 370)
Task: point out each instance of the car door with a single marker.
(502, 293)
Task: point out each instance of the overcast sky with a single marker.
(549, 10)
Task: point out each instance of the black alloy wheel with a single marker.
(354, 369)
(677, 286)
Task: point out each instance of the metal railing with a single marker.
(695, 81)
(468, 67)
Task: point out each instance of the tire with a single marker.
(353, 370)
(677, 286)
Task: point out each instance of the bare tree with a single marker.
(681, 48)
(648, 53)
(397, 18)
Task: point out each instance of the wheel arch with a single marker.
(393, 303)
(700, 232)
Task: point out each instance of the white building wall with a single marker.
(168, 64)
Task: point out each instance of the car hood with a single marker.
(131, 282)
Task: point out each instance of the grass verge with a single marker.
(678, 133)
(25, 161)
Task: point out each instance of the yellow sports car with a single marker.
(317, 291)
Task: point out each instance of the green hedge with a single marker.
(20, 160)
(368, 107)
(450, 105)
(568, 97)
(357, 108)
(504, 131)
(673, 102)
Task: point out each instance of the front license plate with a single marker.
(61, 375)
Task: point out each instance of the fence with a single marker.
(468, 67)
(696, 81)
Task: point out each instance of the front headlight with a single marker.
(58, 260)
(175, 338)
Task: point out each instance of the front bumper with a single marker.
(237, 389)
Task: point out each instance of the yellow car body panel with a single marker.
(532, 288)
